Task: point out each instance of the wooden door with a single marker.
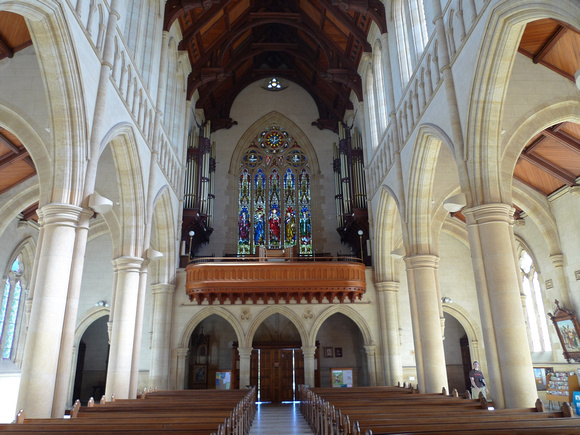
(278, 372)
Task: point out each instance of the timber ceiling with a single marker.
(316, 44)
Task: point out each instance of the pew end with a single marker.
(20, 417)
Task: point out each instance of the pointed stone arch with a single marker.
(276, 309)
(422, 236)
(537, 119)
(164, 235)
(471, 328)
(387, 235)
(205, 313)
(130, 214)
(349, 312)
(274, 118)
(492, 75)
(58, 65)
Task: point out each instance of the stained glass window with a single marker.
(278, 206)
(10, 308)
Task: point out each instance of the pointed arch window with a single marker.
(274, 194)
(10, 307)
(534, 304)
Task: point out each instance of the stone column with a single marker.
(65, 362)
(558, 263)
(309, 366)
(138, 331)
(128, 270)
(182, 353)
(245, 356)
(370, 352)
(497, 280)
(58, 227)
(422, 273)
(389, 322)
(160, 340)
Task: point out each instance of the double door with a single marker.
(277, 372)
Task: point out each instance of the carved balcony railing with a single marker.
(252, 278)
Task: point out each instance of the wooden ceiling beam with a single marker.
(531, 186)
(7, 142)
(550, 168)
(568, 141)
(207, 16)
(5, 49)
(374, 9)
(548, 65)
(13, 185)
(346, 20)
(13, 158)
(539, 56)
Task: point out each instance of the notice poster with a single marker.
(222, 380)
(341, 377)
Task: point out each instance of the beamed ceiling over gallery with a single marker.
(316, 44)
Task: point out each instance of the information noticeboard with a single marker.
(223, 380)
(341, 377)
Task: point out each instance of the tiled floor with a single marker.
(279, 419)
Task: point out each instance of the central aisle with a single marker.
(279, 419)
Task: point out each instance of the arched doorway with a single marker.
(211, 352)
(277, 364)
(92, 362)
(341, 345)
(457, 354)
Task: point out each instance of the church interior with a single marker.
(217, 194)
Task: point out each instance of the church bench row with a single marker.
(196, 412)
(400, 410)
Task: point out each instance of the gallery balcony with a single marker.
(275, 277)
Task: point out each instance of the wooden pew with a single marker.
(374, 410)
(194, 412)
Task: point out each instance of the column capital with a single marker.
(245, 352)
(387, 286)
(308, 351)
(182, 352)
(127, 263)
(162, 288)
(557, 260)
(422, 261)
(59, 214)
(370, 349)
(488, 213)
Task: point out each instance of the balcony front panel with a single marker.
(281, 280)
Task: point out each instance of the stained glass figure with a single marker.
(244, 214)
(305, 214)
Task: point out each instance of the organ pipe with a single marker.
(349, 173)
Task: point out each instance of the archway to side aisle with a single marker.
(341, 347)
(212, 355)
(92, 362)
(457, 355)
(277, 364)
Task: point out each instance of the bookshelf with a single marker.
(561, 385)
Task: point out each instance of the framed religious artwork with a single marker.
(200, 374)
(328, 352)
(338, 352)
(568, 332)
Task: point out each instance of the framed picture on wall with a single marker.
(338, 352)
(568, 332)
(328, 352)
(200, 374)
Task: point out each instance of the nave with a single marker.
(282, 419)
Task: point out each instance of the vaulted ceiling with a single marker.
(317, 44)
